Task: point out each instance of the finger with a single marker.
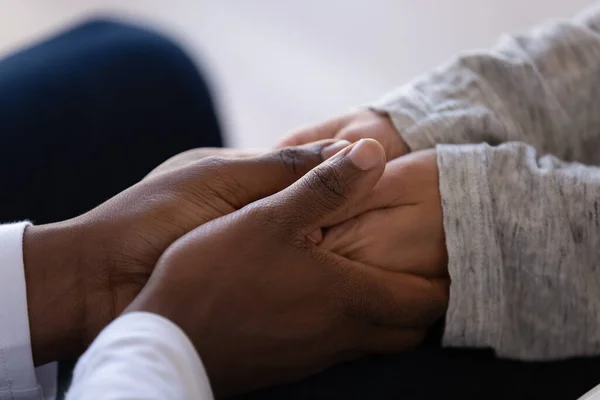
(394, 299)
(326, 130)
(399, 185)
(375, 125)
(245, 180)
(327, 191)
(401, 239)
(383, 340)
(187, 157)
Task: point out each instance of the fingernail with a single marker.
(316, 237)
(366, 154)
(334, 148)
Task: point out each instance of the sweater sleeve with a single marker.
(523, 236)
(541, 88)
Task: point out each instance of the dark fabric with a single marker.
(433, 374)
(88, 113)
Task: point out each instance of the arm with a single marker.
(140, 355)
(518, 235)
(61, 283)
(81, 273)
(256, 324)
(253, 322)
(523, 240)
(540, 88)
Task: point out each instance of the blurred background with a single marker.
(279, 64)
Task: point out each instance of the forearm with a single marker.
(538, 88)
(523, 238)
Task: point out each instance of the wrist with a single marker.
(53, 257)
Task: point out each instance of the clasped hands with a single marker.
(275, 265)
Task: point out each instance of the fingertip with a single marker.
(366, 154)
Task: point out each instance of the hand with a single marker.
(352, 127)
(191, 156)
(83, 272)
(263, 305)
(398, 227)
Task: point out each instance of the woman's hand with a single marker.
(354, 126)
(399, 226)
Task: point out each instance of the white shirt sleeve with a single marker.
(593, 394)
(140, 356)
(18, 378)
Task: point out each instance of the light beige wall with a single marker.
(278, 64)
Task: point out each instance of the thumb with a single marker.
(327, 191)
(241, 181)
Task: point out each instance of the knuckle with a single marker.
(297, 160)
(330, 183)
(290, 157)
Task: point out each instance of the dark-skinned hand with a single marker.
(83, 272)
(264, 305)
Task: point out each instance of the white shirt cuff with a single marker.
(18, 378)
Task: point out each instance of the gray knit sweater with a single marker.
(517, 130)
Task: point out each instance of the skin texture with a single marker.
(83, 272)
(279, 307)
(399, 225)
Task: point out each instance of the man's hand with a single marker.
(264, 305)
(399, 226)
(352, 127)
(194, 155)
(83, 272)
